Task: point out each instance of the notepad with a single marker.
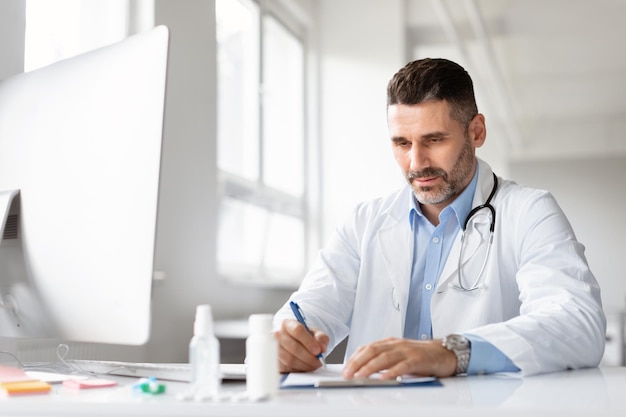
(331, 377)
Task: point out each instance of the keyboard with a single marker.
(166, 371)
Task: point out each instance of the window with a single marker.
(263, 225)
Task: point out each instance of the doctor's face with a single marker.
(434, 151)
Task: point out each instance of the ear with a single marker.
(477, 130)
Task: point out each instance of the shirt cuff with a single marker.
(485, 358)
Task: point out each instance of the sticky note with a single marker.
(88, 383)
(25, 387)
(11, 374)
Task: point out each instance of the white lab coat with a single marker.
(537, 301)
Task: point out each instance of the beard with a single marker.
(453, 182)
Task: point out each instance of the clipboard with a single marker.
(331, 377)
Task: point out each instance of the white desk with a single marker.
(591, 392)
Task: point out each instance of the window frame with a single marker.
(256, 192)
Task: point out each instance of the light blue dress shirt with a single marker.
(432, 245)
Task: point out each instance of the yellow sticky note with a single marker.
(25, 387)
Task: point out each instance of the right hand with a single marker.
(297, 348)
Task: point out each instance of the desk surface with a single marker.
(589, 392)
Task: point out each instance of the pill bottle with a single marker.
(262, 375)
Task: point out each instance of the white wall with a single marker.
(591, 193)
(361, 47)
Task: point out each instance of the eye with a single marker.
(402, 143)
(435, 140)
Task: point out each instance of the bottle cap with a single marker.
(260, 323)
(203, 324)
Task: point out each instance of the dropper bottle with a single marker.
(204, 356)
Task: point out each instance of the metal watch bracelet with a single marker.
(461, 347)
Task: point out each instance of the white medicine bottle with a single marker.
(204, 356)
(262, 375)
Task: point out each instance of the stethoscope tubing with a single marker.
(492, 210)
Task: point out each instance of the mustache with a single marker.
(426, 173)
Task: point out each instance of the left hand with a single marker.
(401, 356)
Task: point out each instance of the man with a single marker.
(412, 294)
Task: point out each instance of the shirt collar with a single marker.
(461, 206)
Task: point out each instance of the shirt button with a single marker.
(435, 239)
(424, 336)
(428, 287)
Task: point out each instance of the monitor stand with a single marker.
(6, 201)
(7, 302)
(21, 310)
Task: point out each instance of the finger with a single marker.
(315, 341)
(369, 358)
(402, 356)
(290, 363)
(397, 369)
(298, 349)
(428, 358)
(307, 339)
(322, 339)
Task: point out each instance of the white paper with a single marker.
(331, 375)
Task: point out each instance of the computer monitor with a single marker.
(80, 153)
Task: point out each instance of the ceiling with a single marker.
(550, 75)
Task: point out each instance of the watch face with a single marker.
(456, 341)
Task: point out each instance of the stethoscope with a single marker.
(487, 205)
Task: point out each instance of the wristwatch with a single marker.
(461, 347)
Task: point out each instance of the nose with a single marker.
(418, 159)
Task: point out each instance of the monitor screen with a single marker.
(80, 153)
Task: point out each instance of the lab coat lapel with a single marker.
(395, 240)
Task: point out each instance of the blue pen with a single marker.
(297, 311)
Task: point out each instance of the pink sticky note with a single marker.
(88, 383)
